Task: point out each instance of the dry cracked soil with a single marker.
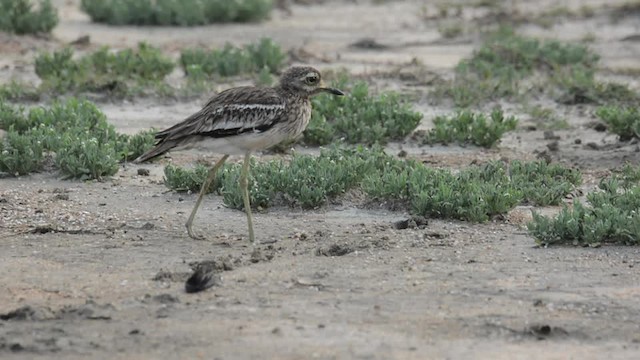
(98, 269)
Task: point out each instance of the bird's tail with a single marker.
(161, 147)
(168, 139)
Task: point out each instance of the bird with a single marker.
(241, 121)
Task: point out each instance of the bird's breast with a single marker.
(298, 117)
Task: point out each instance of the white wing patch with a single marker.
(243, 116)
(243, 107)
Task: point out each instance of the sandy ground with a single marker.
(97, 269)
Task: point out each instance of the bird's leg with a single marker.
(244, 183)
(205, 186)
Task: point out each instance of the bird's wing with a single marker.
(229, 113)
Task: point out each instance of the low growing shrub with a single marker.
(102, 70)
(359, 117)
(176, 12)
(22, 17)
(578, 85)
(506, 61)
(75, 133)
(469, 128)
(20, 153)
(232, 60)
(474, 194)
(612, 216)
(622, 120)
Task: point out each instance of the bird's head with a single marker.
(306, 81)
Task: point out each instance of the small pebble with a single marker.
(592, 146)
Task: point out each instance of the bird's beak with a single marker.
(330, 90)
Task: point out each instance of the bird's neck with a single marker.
(290, 93)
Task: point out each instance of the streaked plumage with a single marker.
(245, 119)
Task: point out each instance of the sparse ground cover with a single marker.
(27, 16)
(611, 216)
(102, 70)
(509, 65)
(624, 121)
(74, 134)
(360, 117)
(474, 194)
(174, 12)
(142, 71)
(477, 193)
(231, 60)
(426, 225)
(469, 128)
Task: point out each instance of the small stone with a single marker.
(147, 226)
(600, 127)
(592, 146)
(550, 135)
(143, 172)
(61, 197)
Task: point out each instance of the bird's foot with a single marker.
(194, 235)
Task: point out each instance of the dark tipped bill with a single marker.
(333, 91)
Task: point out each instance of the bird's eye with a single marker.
(312, 80)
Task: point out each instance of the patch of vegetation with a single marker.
(20, 153)
(469, 128)
(627, 176)
(306, 181)
(187, 180)
(17, 91)
(103, 70)
(450, 30)
(21, 17)
(556, 14)
(612, 216)
(589, 37)
(176, 12)
(543, 184)
(360, 118)
(545, 118)
(502, 64)
(231, 60)
(487, 3)
(577, 85)
(622, 120)
(86, 159)
(74, 133)
(265, 78)
(474, 194)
